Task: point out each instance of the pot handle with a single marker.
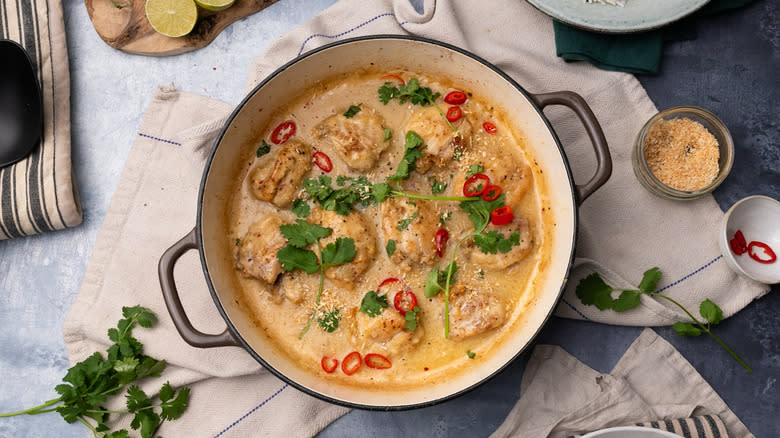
(576, 103)
(190, 334)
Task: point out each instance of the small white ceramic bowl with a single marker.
(758, 217)
(630, 432)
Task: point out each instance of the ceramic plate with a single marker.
(635, 16)
(630, 432)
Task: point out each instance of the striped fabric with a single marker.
(704, 426)
(38, 194)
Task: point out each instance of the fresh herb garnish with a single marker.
(592, 290)
(474, 168)
(437, 187)
(444, 217)
(388, 134)
(457, 154)
(238, 241)
(412, 91)
(404, 223)
(373, 304)
(471, 354)
(390, 248)
(301, 208)
(356, 191)
(263, 149)
(353, 109)
(329, 321)
(411, 154)
(295, 256)
(433, 284)
(411, 318)
(493, 242)
(89, 383)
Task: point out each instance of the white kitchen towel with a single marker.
(623, 227)
(38, 194)
(560, 396)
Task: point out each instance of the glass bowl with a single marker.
(712, 123)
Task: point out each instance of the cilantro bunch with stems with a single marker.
(592, 290)
(414, 93)
(295, 255)
(89, 384)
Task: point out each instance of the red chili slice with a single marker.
(385, 282)
(738, 244)
(396, 77)
(491, 193)
(283, 132)
(377, 361)
(329, 364)
(441, 238)
(475, 185)
(502, 215)
(322, 160)
(351, 363)
(454, 113)
(455, 97)
(489, 128)
(771, 256)
(404, 301)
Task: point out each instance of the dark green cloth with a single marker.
(636, 52)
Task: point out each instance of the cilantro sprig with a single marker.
(593, 291)
(295, 255)
(89, 383)
(413, 93)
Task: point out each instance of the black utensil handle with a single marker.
(190, 334)
(576, 103)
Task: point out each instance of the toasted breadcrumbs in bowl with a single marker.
(683, 152)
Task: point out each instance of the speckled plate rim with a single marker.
(635, 16)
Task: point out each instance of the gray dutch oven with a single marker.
(392, 53)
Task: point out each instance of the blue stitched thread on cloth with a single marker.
(158, 139)
(386, 14)
(233, 424)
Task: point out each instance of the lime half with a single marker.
(215, 5)
(173, 18)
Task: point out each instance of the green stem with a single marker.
(86, 423)
(399, 193)
(705, 329)
(35, 410)
(319, 294)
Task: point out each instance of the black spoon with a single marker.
(21, 113)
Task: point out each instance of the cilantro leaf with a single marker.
(381, 191)
(174, 407)
(438, 187)
(291, 257)
(372, 304)
(409, 159)
(352, 111)
(711, 312)
(388, 134)
(411, 319)
(388, 92)
(301, 208)
(329, 321)
(433, 283)
(479, 211)
(493, 242)
(338, 252)
(302, 233)
(686, 329)
(474, 168)
(263, 149)
(592, 290)
(360, 191)
(404, 223)
(627, 300)
(471, 354)
(390, 248)
(649, 280)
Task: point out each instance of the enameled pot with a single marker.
(392, 53)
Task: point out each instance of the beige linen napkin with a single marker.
(39, 193)
(155, 205)
(560, 396)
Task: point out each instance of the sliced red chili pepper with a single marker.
(454, 113)
(322, 160)
(738, 243)
(441, 238)
(502, 215)
(455, 97)
(351, 363)
(404, 301)
(374, 360)
(396, 77)
(491, 193)
(329, 364)
(475, 185)
(283, 132)
(489, 128)
(770, 255)
(385, 282)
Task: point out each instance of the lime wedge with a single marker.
(173, 18)
(215, 5)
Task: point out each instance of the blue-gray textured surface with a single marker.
(731, 68)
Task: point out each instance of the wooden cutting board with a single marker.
(128, 30)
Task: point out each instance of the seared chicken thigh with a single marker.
(412, 227)
(278, 179)
(386, 332)
(256, 256)
(361, 231)
(439, 139)
(358, 140)
(473, 312)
